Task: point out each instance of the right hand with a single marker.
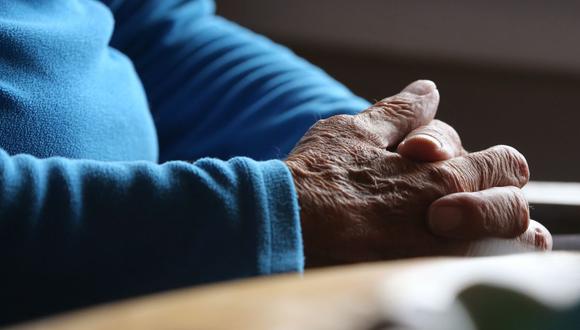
(361, 202)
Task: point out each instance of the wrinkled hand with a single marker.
(361, 201)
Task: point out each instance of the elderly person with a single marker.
(100, 103)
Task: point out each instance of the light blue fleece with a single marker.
(99, 102)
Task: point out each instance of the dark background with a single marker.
(508, 71)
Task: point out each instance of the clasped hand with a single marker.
(392, 182)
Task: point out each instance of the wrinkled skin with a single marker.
(360, 201)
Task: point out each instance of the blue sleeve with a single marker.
(76, 232)
(218, 89)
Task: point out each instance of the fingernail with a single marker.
(542, 241)
(445, 218)
(428, 138)
(524, 169)
(421, 87)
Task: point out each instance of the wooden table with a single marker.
(431, 293)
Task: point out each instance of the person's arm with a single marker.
(74, 232)
(218, 89)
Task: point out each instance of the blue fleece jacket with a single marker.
(99, 104)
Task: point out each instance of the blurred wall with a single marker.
(508, 72)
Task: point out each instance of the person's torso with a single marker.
(63, 91)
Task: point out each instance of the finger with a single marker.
(498, 166)
(535, 238)
(501, 212)
(433, 142)
(393, 118)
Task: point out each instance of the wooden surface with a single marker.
(412, 294)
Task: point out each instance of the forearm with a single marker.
(79, 232)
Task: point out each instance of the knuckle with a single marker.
(336, 120)
(342, 130)
(449, 178)
(397, 106)
(334, 124)
(341, 119)
(503, 211)
(500, 166)
(513, 162)
(521, 213)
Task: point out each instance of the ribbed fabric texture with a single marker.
(93, 204)
(217, 89)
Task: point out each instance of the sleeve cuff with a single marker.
(279, 245)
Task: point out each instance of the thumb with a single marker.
(433, 142)
(393, 118)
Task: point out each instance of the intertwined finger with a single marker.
(496, 212)
(498, 166)
(393, 118)
(535, 238)
(435, 141)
